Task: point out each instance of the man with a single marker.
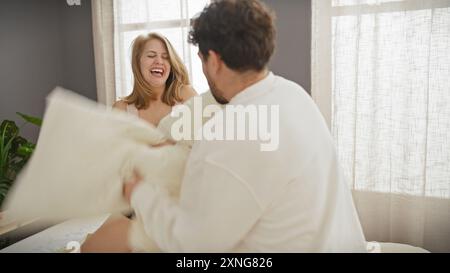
(234, 196)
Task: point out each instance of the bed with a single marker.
(67, 236)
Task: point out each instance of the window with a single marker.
(384, 67)
(171, 18)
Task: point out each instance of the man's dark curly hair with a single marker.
(242, 32)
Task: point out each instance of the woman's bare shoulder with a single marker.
(121, 105)
(187, 92)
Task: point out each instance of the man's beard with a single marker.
(216, 92)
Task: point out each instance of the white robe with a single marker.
(235, 197)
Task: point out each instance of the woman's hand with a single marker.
(129, 186)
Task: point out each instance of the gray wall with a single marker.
(78, 49)
(292, 58)
(43, 44)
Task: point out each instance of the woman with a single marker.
(160, 82)
(160, 79)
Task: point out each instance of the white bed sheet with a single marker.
(57, 238)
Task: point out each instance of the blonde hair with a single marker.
(142, 92)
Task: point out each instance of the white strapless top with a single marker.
(165, 124)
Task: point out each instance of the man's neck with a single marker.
(238, 82)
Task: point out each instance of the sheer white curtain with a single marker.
(116, 23)
(381, 76)
(103, 34)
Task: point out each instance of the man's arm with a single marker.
(214, 212)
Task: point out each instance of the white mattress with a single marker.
(57, 238)
(64, 236)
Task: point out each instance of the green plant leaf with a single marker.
(5, 181)
(15, 151)
(17, 142)
(34, 120)
(25, 150)
(5, 185)
(5, 148)
(8, 130)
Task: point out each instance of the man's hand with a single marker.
(129, 186)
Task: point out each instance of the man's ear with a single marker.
(216, 62)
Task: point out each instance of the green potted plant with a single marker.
(15, 151)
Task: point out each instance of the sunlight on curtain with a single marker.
(380, 74)
(391, 99)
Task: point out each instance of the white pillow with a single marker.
(84, 153)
